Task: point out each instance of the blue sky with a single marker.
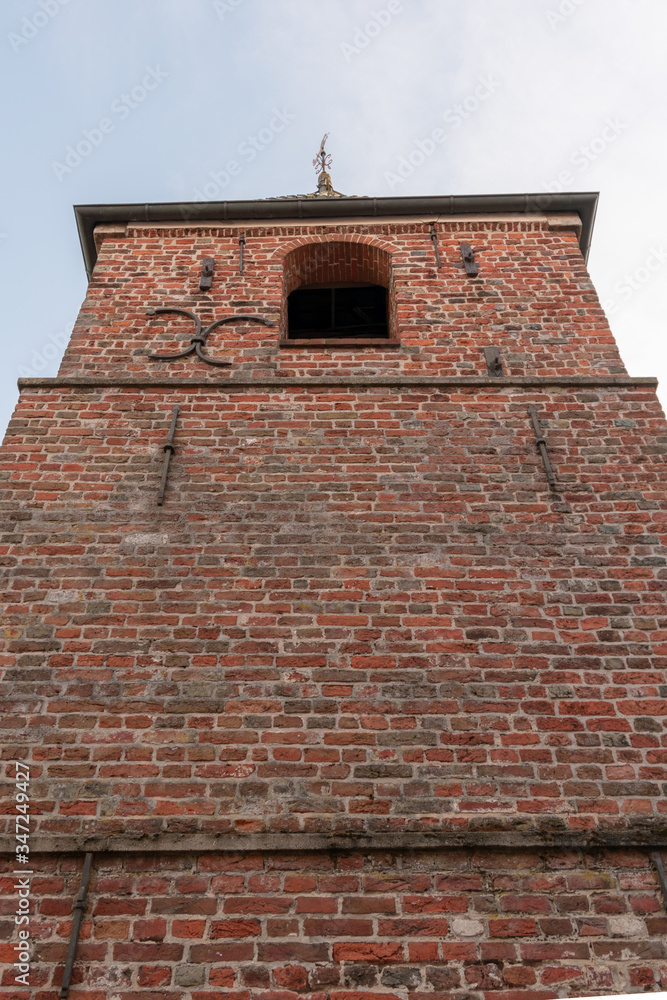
(524, 95)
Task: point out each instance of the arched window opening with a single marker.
(339, 292)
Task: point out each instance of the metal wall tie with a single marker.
(494, 364)
(657, 860)
(169, 450)
(206, 278)
(542, 446)
(468, 255)
(241, 249)
(198, 342)
(79, 910)
(434, 239)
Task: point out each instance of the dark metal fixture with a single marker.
(494, 364)
(468, 255)
(198, 342)
(79, 909)
(241, 249)
(657, 860)
(434, 240)
(542, 446)
(206, 279)
(169, 450)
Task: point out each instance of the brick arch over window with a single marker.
(337, 262)
(370, 241)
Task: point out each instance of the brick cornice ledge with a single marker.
(637, 836)
(398, 381)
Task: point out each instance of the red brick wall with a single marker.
(533, 299)
(358, 607)
(349, 926)
(360, 614)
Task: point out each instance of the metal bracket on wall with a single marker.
(169, 450)
(494, 364)
(79, 910)
(468, 255)
(241, 249)
(657, 861)
(542, 446)
(198, 342)
(434, 240)
(206, 279)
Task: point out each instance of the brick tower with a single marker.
(335, 613)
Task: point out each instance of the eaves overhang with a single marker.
(277, 209)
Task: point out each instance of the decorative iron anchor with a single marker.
(469, 261)
(434, 240)
(198, 342)
(241, 249)
(541, 443)
(169, 450)
(494, 364)
(79, 909)
(657, 860)
(206, 279)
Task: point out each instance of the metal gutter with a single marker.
(275, 210)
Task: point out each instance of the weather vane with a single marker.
(323, 159)
(322, 163)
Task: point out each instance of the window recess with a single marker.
(338, 294)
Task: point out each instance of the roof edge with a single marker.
(88, 216)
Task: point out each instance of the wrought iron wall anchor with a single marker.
(434, 240)
(494, 364)
(169, 450)
(241, 249)
(542, 446)
(657, 860)
(79, 909)
(198, 342)
(206, 279)
(468, 255)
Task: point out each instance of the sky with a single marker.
(175, 100)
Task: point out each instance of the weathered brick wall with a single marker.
(533, 299)
(360, 620)
(358, 608)
(350, 926)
